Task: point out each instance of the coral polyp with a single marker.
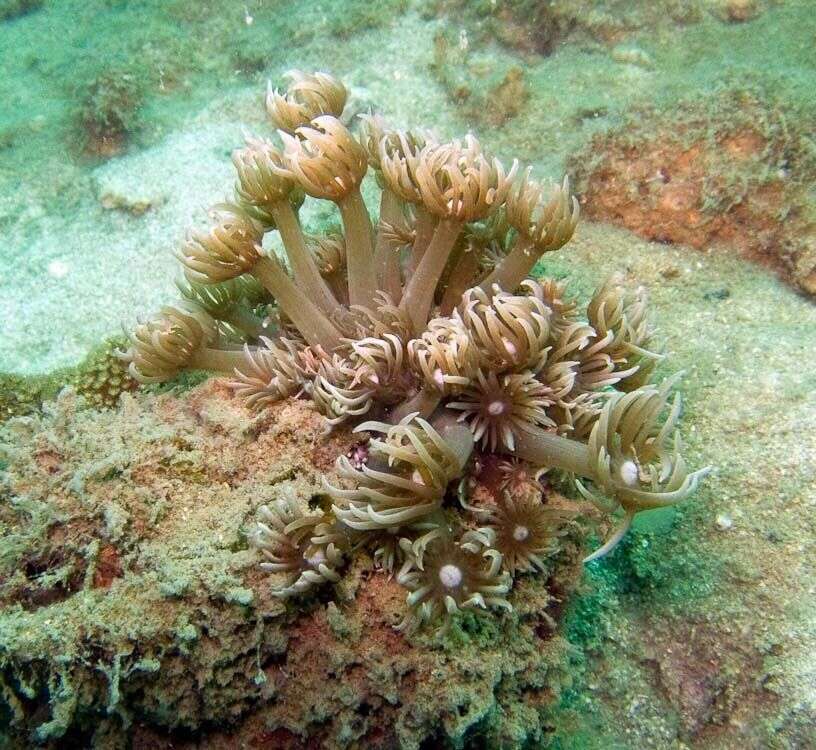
(423, 321)
(292, 541)
(416, 466)
(445, 576)
(523, 529)
(497, 409)
(308, 95)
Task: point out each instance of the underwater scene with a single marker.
(408, 374)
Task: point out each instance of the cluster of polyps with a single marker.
(426, 322)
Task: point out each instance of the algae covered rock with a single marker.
(733, 169)
(133, 610)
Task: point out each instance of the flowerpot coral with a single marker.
(425, 322)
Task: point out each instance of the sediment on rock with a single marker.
(134, 611)
(730, 170)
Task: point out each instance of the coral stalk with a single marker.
(423, 402)
(542, 448)
(419, 292)
(315, 327)
(425, 225)
(302, 261)
(461, 278)
(514, 267)
(386, 260)
(458, 437)
(362, 275)
(218, 360)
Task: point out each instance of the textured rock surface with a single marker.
(133, 609)
(733, 170)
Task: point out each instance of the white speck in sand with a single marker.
(58, 269)
(724, 522)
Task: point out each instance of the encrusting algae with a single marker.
(427, 324)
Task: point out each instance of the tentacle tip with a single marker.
(601, 552)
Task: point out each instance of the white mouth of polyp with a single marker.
(450, 576)
(520, 533)
(629, 473)
(496, 408)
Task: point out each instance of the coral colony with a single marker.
(427, 325)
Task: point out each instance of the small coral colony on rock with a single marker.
(424, 331)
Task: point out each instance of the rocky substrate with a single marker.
(734, 170)
(134, 614)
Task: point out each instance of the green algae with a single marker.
(648, 572)
(11, 9)
(21, 395)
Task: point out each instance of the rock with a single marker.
(724, 522)
(705, 173)
(738, 11)
(111, 200)
(631, 56)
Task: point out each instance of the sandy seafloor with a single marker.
(699, 634)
